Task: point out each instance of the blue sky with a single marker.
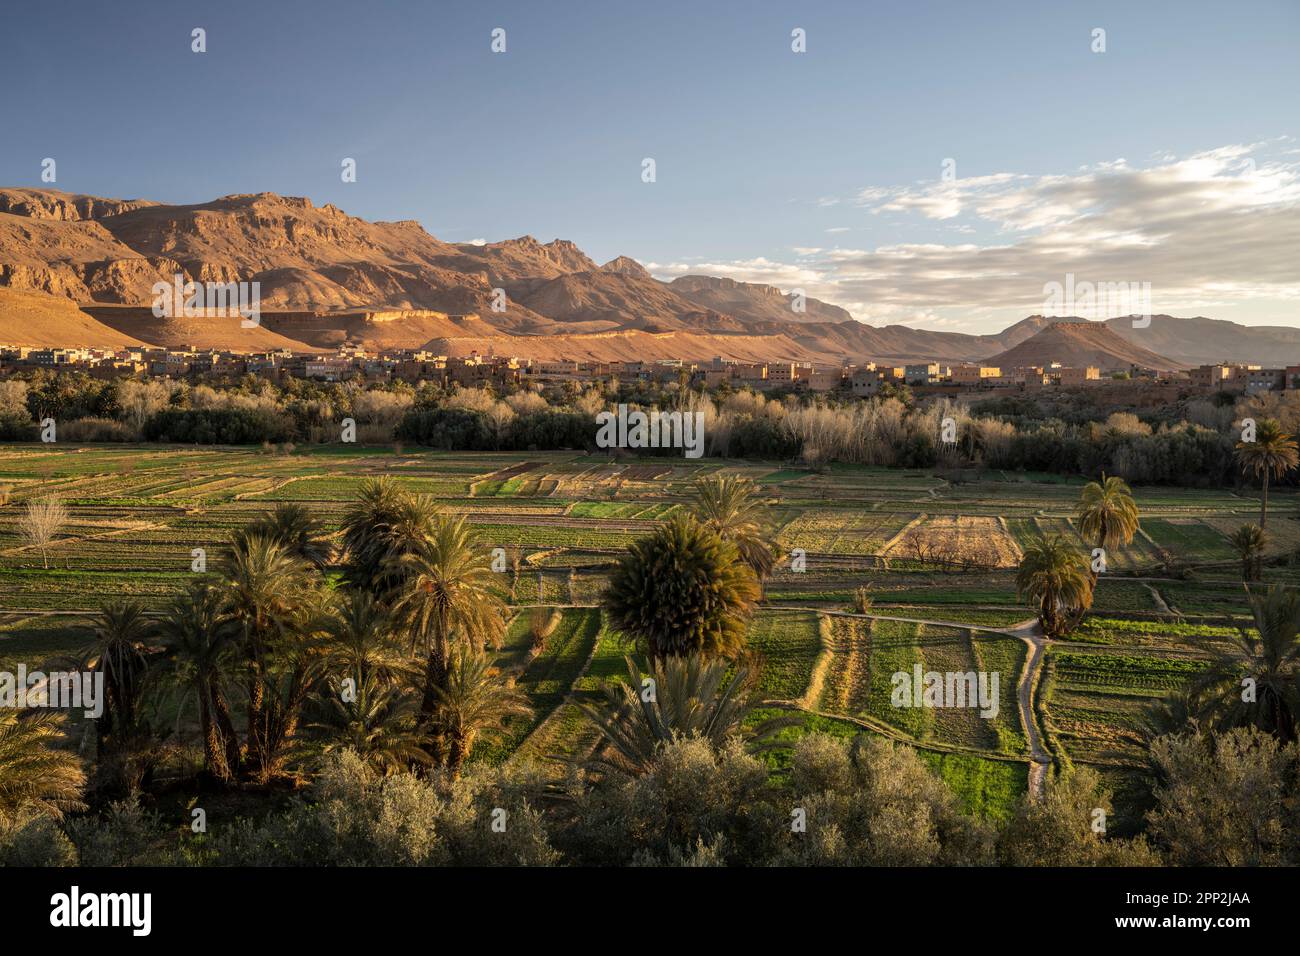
(819, 170)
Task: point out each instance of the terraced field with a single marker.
(137, 514)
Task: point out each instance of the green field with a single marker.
(137, 514)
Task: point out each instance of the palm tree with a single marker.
(119, 650)
(272, 597)
(1268, 655)
(294, 526)
(199, 637)
(365, 525)
(448, 588)
(1108, 515)
(361, 642)
(1057, 578)
(372, 718)
(727, 506)
(1272, 454)
(35, 773)
(676, 697)
(1249, 542)
(477, 702)
(682, 590)
(383, 524)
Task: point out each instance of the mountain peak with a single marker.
(626, 265)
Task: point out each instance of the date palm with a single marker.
(477, 702)
(361, 642)
(1107, 513)
(120, 651)
(448, 591)
(382, 525)
(375, 719)
(294, 526)
(676, 697)
(727, 505)
(1268, 657)
(36, 773)
(1055, 576)
(1273, 454)
(272, 596)
(1249, 542)
(199, 636)
(682, 590)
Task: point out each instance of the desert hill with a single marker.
(753, 301)
(1081, 343)
(47, 321)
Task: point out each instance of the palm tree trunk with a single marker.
(214, 754)
(226, 728)
(1263, 503)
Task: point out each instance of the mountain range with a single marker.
(79, 270)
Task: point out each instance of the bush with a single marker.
(219, 426)
(95, 430)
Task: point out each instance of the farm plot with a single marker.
(965, 540)
(1094, 701)
(549, 676)
(842, 531)
(1189, 539)
(845, 686)
(789, 644)
(949, 650)
(1180, 637)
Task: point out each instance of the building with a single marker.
(975, 374)
(865, 382)
(1264, 380)
(927, 374)
(1067, 377)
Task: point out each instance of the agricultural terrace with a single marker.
(936, 555)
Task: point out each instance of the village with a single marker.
(865, 380)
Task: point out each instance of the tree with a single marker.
(1107, 514)
(476, 702)
(272, 595)
(1272, 454)
(35, 773)
(119, 650)
(1249, 542)
(383, 524)
(41, 522)
(375, 720)
(293, 526)
(682, 590)
(199, 637)
(1226, 799)
(1056, 577)
(676, 697)
(727, 506)
(1252, 681)
(1061, 828)
(448, 590)
(361, 642)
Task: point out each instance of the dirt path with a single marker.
(1032, 635)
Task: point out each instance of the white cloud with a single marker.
(1221, 226)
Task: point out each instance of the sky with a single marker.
(938, 164)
